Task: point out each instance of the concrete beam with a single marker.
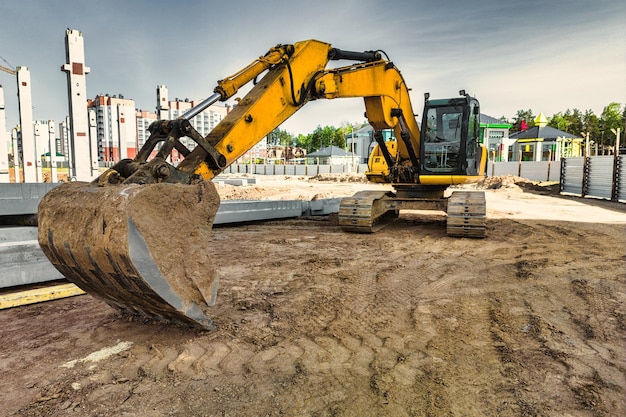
(21, 260)
(21, 199)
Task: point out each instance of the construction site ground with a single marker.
(313, 321)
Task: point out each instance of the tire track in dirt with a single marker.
(405, 322)
(554, 338)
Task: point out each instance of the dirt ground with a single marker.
(312, 321)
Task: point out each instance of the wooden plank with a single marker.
(38, 295)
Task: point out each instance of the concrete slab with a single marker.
(238, 211)
(21, 260)
(22, 198)
(235, 181)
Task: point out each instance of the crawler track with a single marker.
(467, 214)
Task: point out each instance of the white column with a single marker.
(17, 158)
(121, 131)
(4, 142)
(93, 140)
(80, 149)
(38, 131)
(53, 151)
(163, 105)
(26, 124)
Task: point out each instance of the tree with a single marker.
(524, 119)
(326, 136)
(571, 121)
(612, 118)
(575, 119)
(558, 121)
(278, 137)
(591, 124)
(303, 141)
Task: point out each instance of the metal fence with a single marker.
(596, 176)
(532, 170)
(304, 170)
(535, 171)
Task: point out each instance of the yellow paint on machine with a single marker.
(39, 295)
(449, 179)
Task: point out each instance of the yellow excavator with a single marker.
(136, 236)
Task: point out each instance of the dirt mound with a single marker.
(237, 192)
(278, 187)
(502, 181)
(344, 177)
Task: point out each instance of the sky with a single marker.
(545, 56)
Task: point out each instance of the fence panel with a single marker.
(503, 168)
(323, 169)
(555, 171)
(361, 168)
(600, 176)
(535, 170)
(620, 177)
(572, 174)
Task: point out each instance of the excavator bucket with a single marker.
(140, 248)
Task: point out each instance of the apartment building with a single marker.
(122, 130)
(116, 127)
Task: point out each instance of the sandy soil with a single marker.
(312, 321)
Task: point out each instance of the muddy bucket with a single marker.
(140, 248)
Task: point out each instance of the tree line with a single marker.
(321, 137)
(576, 122)
(600, 128)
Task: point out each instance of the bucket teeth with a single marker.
(140, 248)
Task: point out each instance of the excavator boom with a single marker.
(135, 236)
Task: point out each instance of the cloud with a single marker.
(548, 56)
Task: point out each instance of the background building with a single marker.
(494, 134)
(544, 143)
(361, 142)
(116, 127)
(331, 155)
(144, 120)
(122, 130)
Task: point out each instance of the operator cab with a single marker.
(449, 136)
